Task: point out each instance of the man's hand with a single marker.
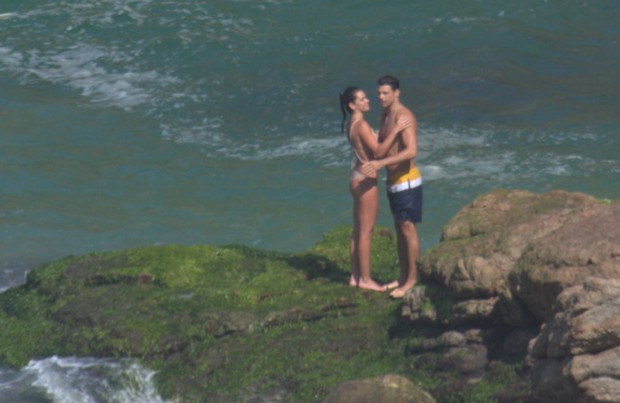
(371, 168)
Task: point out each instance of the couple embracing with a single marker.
(394, 148)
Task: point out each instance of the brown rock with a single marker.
(580, 346)
(603, 389)
(479, 311)
(469, 360)
(588, 245)
(550, 262)
(484, 242)
(388, 388)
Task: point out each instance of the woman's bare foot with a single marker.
(352, 281)
(371, 285)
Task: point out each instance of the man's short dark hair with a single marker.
(389, 80)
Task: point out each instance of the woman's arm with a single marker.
(380, 149)
(410, 150)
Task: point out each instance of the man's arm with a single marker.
(402, 123)
(408, 136)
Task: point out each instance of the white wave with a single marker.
(6, 16)
(463, 20)
(433, 173)
(86, 380)
(82, 67)
(327, 152)
(484, 155)
(433, 138)
(208, 132)
(301, 146)
(10, 58)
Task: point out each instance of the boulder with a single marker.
(587, 245)
(484, 243)
(546, 266)
(388, 388)
(580, 345)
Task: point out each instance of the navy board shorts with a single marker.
(406, 205)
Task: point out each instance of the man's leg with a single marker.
(408, 251)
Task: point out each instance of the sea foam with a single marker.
(85, 380)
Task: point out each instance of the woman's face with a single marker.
(361, 102)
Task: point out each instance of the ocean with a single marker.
(143, 122)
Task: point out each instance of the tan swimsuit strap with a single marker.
(352, 124)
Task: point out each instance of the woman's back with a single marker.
(360, 152)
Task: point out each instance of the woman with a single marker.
(363, 187)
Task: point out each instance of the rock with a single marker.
(590, 314)
(452, 339)
(221, 324)
(603, 364)
(483, 245)
(544, 271)
(587, 245)
(603, 389)
(388, 388)
(476, 276)
(478, 311)
(515, 343)
(417, 306)
(469, 360)
(581, 343)
(549, 384)
(517, 275)
(453, 351)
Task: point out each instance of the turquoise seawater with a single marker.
(140, 122)
(143, 122)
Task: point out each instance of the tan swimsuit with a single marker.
(356, 158)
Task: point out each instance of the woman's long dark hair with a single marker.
(347, 96)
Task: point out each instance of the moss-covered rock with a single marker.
(220, 322)
(225, 323)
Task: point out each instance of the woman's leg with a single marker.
(355, 274)
(366, 201)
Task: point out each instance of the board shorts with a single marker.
(405, 196)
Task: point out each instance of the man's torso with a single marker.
(388, 121)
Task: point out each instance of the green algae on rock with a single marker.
(215, 322)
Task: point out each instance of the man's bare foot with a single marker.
(352, 281)
(371, 285)
(391, 285)
(401, 291)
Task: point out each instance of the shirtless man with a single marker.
(404, 183)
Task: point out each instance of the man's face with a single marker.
(386, 95)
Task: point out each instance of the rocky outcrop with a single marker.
(578, 350)
(217, 324)
(543, 265)
(388, 388)
(532, 279)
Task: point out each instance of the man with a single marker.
(404, 183)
